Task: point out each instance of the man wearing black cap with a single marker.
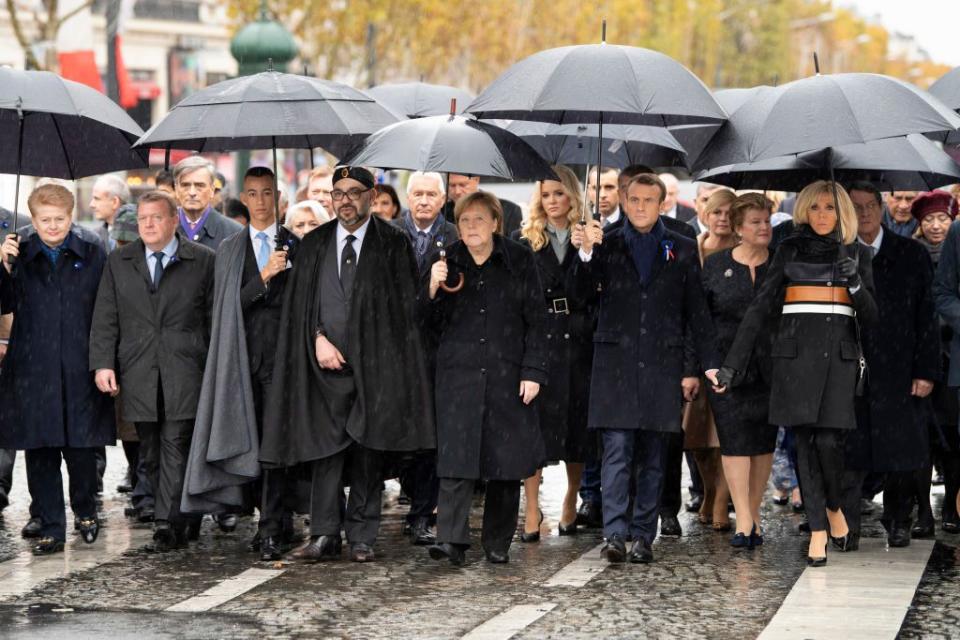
(351, 378)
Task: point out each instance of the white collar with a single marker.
(876, 241)
(271, 231)
(613, 217)
(358, 234)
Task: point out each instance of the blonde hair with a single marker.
(51, 195)
(534, 229)
(719, 198)
(809, 195)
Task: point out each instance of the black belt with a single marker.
(558, 305)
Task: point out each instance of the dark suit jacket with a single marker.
(154, 337)
(638, 358)
(443, 234)
(262, 304)
(215, 230)
(685, 213)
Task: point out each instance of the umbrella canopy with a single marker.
(820, 112)
(947, 89)
(451, 144)
(623, 144)
(269, 110)
(909, 163)
(69, 130)
(572, 85)
(419, 99)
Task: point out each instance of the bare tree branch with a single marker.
(21, 38)
(73, 12)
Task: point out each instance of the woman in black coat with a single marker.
(491, 361)
(52, 408)
(555, 208)
(731, 279)
(821, 293)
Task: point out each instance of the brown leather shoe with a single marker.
(362, 552)
(319, 548)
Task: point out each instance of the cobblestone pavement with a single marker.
(698, 588)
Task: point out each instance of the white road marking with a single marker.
(863, 594)
(580, 571)
(226, 590)
(507, 624)
(25, 572)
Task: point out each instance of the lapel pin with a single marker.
(728, 273)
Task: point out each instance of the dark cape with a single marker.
(393, 410)
(225, 451)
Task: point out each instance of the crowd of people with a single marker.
(252, 362)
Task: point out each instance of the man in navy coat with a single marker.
(645, 280)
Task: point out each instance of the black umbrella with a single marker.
(912, 163)
(419, 99)
(57, 128)
(269, 110)
(623, 144)
(451, 144)
(573, 85)
(947, 89)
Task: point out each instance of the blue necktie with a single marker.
(263, 254)
(157, 269)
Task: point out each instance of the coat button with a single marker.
(829, 284)
(483, 341)
(641, 365)
(566, 336)
(643, 332)
(826, 355)
(643, 296)
(483, 372)
(828, 318)
(482, 311)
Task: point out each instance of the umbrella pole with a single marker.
(596, 209)
(276, 189)
(586, 195)
(836, 200)
(166, 159)
(16, 190)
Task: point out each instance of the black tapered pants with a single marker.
(820, 466)
(501, 505)
(164, 447)
(46, 486)
(671, 499)
(361, 518)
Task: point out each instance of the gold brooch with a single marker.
(345, 172)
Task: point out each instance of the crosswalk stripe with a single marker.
(226, 590)
(507, 624)
(580, 571)
(860, 595)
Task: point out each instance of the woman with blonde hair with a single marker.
(699, 427)
(556, 206)
(820, 282)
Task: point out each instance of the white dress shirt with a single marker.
(342, 240)
(271, 232)
(168, 251)
(875, 245)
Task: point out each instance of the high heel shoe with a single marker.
(842, 543)
(820, 561)
(741, 541)
(567, 529)
(533, 536)
(756, 538)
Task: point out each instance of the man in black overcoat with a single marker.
(646, 281)
(151, 324)
(351, 378)
(902, 351)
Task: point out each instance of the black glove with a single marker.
(725, 376)
(848, 269)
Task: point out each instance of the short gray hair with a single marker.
(310, 206)
(706, 186)
(115, 186)
(430, 175)
(191, 164)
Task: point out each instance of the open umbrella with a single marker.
(913, 163)
(419, 99)
(623, 144)
(269, 110)
(572, 85)
(57, 128)
(947, 89)
(451, 144)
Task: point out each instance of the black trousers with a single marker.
(46, 486)
(501, 505)
(361, 469)
(898, 495)
(164, 446)
(671, 499)
(852, 488)
(820, 465)
(7, 458)
(419, 480)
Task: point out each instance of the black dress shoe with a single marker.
(899, 535)
(32, 528)
(362, 552)
(455, 553)
(255, 543)
(804, 527)
(615, 550)
(89, 530)
(756, 538)
(319, 548)
(567, 529)
(923, 529)
(124, 487)
(270, 549)
(951, 525)
(192, 529)
(741, 540)
(670, 527)
(421, 535)
(146, 514)
(47, 545)
(164, 539)
(226, 521)
(696, 501)
(641, 553)
(4, 500)
(498, 557)
(590, 515)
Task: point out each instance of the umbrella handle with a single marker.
(444, 285)
(12, 260)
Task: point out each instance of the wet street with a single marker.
(699, 587)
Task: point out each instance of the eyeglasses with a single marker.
(353, 194)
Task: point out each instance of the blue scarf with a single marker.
(53, 254)
(904, 229)
(643, 248)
